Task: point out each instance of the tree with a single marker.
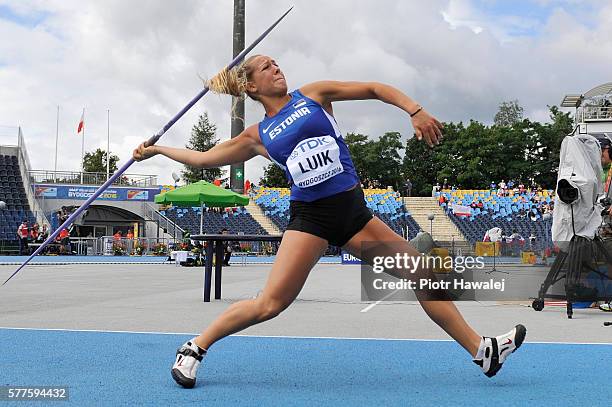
(546, 146)
(203, 138)
(359, 146)
(419, 165)
(473, 156)
(376, 162)
(508, 114)
(384, 160)
(274, 177)
(96, 161)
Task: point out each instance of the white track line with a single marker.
(285, 336)
(369, 307)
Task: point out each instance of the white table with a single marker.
(179, 256)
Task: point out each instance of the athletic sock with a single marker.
(194, 346)
(481, 350)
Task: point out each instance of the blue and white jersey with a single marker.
(305, 141)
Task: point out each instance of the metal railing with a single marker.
(587, 113)
(152, 214)
(108, 246)
(139, 246)
(89, 178)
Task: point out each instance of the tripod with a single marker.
(494, 256)
(570, 266)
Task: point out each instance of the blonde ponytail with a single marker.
(232, 82)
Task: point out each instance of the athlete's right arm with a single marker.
(236, 150)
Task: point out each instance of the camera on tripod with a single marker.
(577, 218)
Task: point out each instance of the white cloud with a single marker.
(142, 59)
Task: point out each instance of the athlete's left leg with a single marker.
(443, 313)
(487, 352)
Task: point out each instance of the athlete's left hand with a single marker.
(427, 127)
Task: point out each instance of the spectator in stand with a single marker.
(34, 233)
(130, 240)
(502, 186)
(480, 204)
(510, 184)
(22, 234)
(64, 239)
(445, 184)
(493, 186)
(516, 240)
(117, 235)
(44, 234)
(504, 244)
(408, 187)
(521, 188)
(436, 188)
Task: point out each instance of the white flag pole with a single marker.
(83, 147)
(107, 144)
(56, 138)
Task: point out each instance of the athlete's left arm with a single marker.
(325, 92)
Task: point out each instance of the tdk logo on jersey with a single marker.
(288, 121)
(314, 160)
(320, 156)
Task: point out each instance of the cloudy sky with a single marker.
(143, 60)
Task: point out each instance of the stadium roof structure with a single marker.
(574, 100)
(604, 89)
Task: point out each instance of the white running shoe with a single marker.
(607, 307)
(188, 359)
(493, 351)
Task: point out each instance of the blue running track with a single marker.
(106, 368)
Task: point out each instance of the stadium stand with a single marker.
(235, 220)
(275, 204)
(13, 193)
(522, 212)
(386, 205)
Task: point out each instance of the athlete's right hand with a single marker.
(142, 153)
(427, 128)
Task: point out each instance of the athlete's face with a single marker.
(266, 78)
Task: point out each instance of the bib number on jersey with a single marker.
(314, 160)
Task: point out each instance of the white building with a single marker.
(593, 110)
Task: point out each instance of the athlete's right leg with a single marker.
(296, 256)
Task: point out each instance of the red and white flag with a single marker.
(461, 210)
(81, 126)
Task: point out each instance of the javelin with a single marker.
(149, 142)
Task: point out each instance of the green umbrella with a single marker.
(202, 193)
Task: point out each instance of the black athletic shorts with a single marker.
(336, 218)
